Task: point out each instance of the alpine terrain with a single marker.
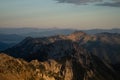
(77, 56)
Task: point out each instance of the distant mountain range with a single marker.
(15, 35)
(53, 31)
(11, 38)
(76, 56)
(8, 40)
(4, 46)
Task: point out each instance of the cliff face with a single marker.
(70, 57)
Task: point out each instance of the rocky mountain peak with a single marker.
(77, 35)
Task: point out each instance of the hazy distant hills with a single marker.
(4, 46)
(31, 31)
(8, 40)
(95, 31)
(17, 34)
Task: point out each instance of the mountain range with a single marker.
(75, 56)
(12, 36)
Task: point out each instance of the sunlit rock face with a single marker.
(77, 56)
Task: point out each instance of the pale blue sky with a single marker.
(50, 13)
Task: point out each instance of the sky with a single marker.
(76, 14)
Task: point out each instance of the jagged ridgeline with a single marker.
(77, 56)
